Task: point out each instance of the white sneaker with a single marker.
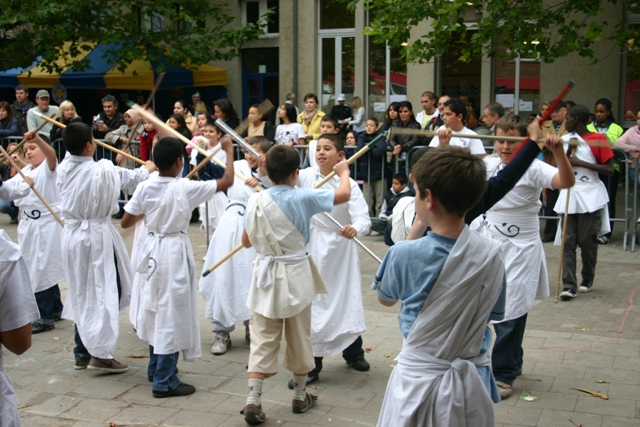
(221, 343)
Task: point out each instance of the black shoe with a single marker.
(585, 286)
(37, 328)
(182, 390)
(567, 294)
(310, 380)
(14, 220)
(359, 365)
(57, 316)
(119, 215)
(547, 239)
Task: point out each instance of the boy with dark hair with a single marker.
(285, 279)
(398, 190)
(226, 289)
(94, 256)
(337, 317)
(170, 300)
(328, 125)
(453, 116)
(446, 300)
(588, 216)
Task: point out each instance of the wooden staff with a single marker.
(36, 192)
(149, 99)
(35, 131)
(100, 143)
(204, 161)
(165, 127)
(352, 159)
(564, 230)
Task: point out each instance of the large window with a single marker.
(506, 73)
(255, 9)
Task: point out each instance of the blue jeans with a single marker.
(49, 304)
(7, 207)
(507, 355)
(162, 367)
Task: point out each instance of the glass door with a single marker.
(337, 67)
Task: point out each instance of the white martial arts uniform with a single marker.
(226, 289)
(474, 145)
(17, 309)
(514, 223)
(217, 203)
(337, 318)
(435, 382)
(38, 232)
(90, 245)
(169, 299)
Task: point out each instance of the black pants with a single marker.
(49, 305)
(80, 351)
(352, 353)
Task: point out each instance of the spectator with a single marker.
(311, 117)
(108, 119)
(181, 107)
(429, 102)
(9, 126)
(258, 126)
(289, 131)
(43, 107)
(20, 106)
(630, 144)
(292, 99)
(223, 110)
(341, 112)
(68, 115)
(357, 121)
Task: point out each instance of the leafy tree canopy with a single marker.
(549, 28)
(187, 33)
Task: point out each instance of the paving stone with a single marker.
(189, 418)
(555, 418)
(546, 400)
(619, 407)
(48, 404)
(516, 416)
(94, 410)
(559, 370)
(620, 422)
(139, 414)
(618, 376)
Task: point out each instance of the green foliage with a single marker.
(188, 33)
(547, 29)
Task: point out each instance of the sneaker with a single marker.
(81, 364)
(221, 343)
(302, 406)
(107, 365)
(504, 389)
(567, 294)
(359, 365)
(37, 328)
(310, 380)
(603, 240)
(182, 390)
(585, 286)
(253, 414)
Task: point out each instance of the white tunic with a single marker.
(295, 284)
(338, 316)
(435, 382)
(38, 231)
(514, 223)
(226, 289)
(474, 145)
(169, 298)
(17, 309)
(217, 204)
(90, 246)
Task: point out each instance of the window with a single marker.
(255, 9)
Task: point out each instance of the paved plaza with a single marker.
(591, 343)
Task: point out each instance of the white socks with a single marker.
(301, 382)
(255, 391)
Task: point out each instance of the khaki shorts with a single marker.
(266, 335)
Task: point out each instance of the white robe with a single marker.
(337, 318)
(17, 309)
(226, 289)
(588, 194)
(90, 246)
(514, 223)
(435, 382)
(217, 203)
(38, 231)
(294, 284)
(169, 296)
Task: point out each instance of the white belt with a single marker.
(263, 271)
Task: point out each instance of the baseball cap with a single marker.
(196, 95)
(560, 105)
(341, 97)
(42, 94)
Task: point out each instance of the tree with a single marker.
(549, 29)
(138, 29)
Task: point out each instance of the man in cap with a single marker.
(42, 107)
(341, 112)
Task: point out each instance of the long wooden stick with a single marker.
(204, 161)
(100, 143)
(36, 192)
(165, 127)
(149, 99)
(564, 238)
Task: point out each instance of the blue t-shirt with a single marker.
(300, 204)
(409, 271)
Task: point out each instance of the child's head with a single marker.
(392, 110)
(329, 151)
(201, 120)
(351, 138)
(454, 113)
(148, 125)
(167, 154)
(254, 115)
(176, 122)
(33, 153)
(261, 145)
(282, 161)
(371, 126)
(399, 182)
(287, 113)
(450, 177)
(211, 132)
(77, 137)
(509, 125)
(329, 124)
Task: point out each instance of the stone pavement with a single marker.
(591, 342)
